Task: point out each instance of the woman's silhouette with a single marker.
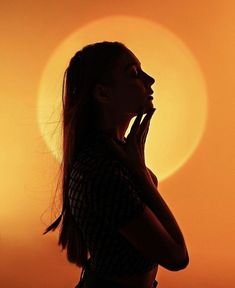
(112, 210)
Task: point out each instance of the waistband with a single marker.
(89, 279)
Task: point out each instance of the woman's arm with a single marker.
(153, 177)
(159, 207)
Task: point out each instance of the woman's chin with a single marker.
(148, 106)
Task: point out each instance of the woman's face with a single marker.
(131, 85)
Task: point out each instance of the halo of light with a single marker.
(179, 90)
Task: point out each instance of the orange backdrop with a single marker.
(200, 193)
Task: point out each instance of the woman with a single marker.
(112, 209)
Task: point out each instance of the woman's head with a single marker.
(102, 85)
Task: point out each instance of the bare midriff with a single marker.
(144, 280)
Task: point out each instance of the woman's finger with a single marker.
(137, 121)
(146, 120)
(145, 133)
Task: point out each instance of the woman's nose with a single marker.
(150, 80)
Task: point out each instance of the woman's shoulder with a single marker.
(98, 162)
(96, 158)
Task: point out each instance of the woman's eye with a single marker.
(136, 73)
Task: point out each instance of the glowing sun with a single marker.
(179, 89)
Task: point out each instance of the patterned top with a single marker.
(103, 198)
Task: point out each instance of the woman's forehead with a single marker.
(126, 60)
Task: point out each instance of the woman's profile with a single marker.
(114, 223)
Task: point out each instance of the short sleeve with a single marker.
(113, 195)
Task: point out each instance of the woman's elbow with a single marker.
(180, 265)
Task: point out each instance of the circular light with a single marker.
(179, 89)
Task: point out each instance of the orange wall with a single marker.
(201, 193)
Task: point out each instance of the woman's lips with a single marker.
(150, 97)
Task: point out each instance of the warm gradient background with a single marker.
(201, 193)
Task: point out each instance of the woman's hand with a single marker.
(132, 152)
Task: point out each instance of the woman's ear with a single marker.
(101, 93)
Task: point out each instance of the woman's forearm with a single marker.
(159, 207)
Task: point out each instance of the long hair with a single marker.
(89, 66)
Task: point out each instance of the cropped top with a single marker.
(103, 197)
